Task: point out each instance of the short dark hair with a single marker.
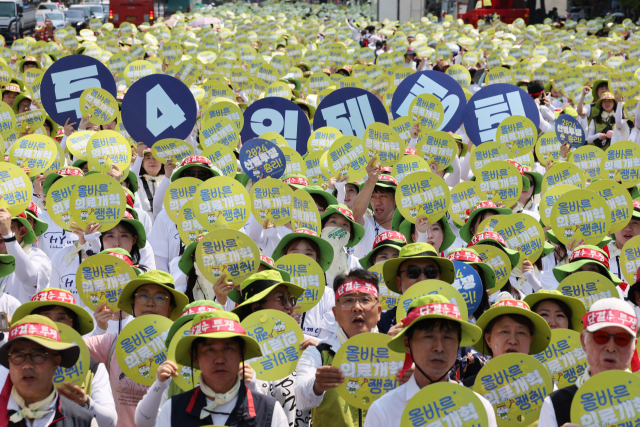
(358, 274)
(429, 325)
(518, 318)
(294, 242)
(74, 317)
(380, 189)
(535, 86)
(563, 307)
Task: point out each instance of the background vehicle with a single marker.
(577, 13)
(105, 9)
(16, 20)
(50, 6)
(173, 6)
(58, 18)
(77, 19)
(97, 10)
(508, 10)
(135, 11)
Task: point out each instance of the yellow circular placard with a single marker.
(460, 74)
(410, 163)
(383, 143)
(140, 347)
(588, 158)
(517, 130)
(427, 110)
(523, 233)
(437, 147)
(369, 367)
(222, 157)
(228, 252)
(322, 139)
(580, 214)
(500, 182)
(137, 70)
(295, 164)
(99, 199)
(422, 194)
(346, 157)
(548, 148)
(99, 105)
(187, 378)
(106, 148)
(59, 200)
(178, 194)
(77, 143)
(189, 228)
(307, 274)
(630, 260)
(621, 162)
(562, 173)
(564, 358)
(486, 153)
(314, 172)
(549, 199)
(30, 121)
(271, 200)
(101, 278)
(37, 152)
(219, 130)
(588, 287)
(279, 337)
(500, 75)
(498, 260)
(464, 195)
(619, 201)
(171, 149)
(388, 299)
(227, 109)
(15, 188)
(429, 287)
(221, 202)
(77, 373)
(504, 380)
(304, 212)
(442, 402)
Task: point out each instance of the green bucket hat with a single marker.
(42, 331)
(30, 237)
(137, 225)
(387, 239)
(154, 277)
(79, 163)
(491, 237)
(537, 179)
(298, 181)
(60, 297)
(416, 251)
(358, 230)
(218, 325)
(471, 257)
(53, 177)
(596, 85)
(23, 61)
(52, 125)
(541, 336)
(257, 286)
(606, 95)
(123, 254)
(465, 147)
(303, 102)
(39, 226)
(584, 255)
(434, 307)
(326, 250)
(575, 305)
(19, 98)
(316, 189)
(449, 237)
(465, 232)
(268, 263)
(189, 312)
(133, 181)
(195, 161)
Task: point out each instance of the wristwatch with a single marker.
(87, 404)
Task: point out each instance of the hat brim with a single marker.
(40, 226)
(176, 174)
(7, 265)
(471, 334)
(69, 352)
(575, 305)
(326, 250)
(390, 270)
(30, 237)
(244, 309)
(358, 230)
(235, 294)
(327, 196)
(465, 232)
(448, 239)
(488, 273)
(85, 320)
(184, 346)
(561, 272)
(537, 179)
(541, 336)
(364, 262)
(142, 234)
(125, 301)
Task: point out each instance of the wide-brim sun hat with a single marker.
(257, 286)
(493, 237)
(586, 254)
(189, 312)
(153, 277)
(344, 211)
(465, 230)
(471, 257)
(576, 306)
(326, 250)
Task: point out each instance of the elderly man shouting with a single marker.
(609, 340)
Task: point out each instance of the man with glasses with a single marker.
(416, 262)
(357, 311)
(32, 355)
(609, 341)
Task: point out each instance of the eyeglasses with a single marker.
(284, 300)
(157, 299)
(414, 272)
(365, 301)
(622, 339)
(203, 175)
(36, 357)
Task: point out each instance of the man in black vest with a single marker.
(609, 342)
(218, 345)
(32, 354)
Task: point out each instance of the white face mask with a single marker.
(337, 237)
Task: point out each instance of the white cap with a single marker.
(611, 312)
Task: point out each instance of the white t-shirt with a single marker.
(363, 248)
(319, 321)
(40, 265)
(55, 238)
(164, 237)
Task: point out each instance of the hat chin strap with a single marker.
(431, 381)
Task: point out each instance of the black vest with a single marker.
(68, 414)
(387, 320)
(251, 410)
(561, 400)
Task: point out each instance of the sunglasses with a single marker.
(414, 272)
(284, 300)
(202, 175)
(622, 339)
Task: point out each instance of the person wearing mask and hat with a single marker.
(378, 191)
(510, 326)
(340, 229)
(357, 311)
(432, 334)
(609, 342)
(60, 306)
(32, 355)
(164, 235)
(416, 262)
(164, 388)
(608, 126)
(33, 267)
(560, 311)
(152, 292)
(218, 345)
(587, 112)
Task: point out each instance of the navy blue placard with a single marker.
(260, 156)
(157, 107)
(469, 284)
(569, 130)
(64, 82)
(350, 110)
(440, 85)
(279, 115)
(488, 107)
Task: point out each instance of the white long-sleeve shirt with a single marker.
(31, 274)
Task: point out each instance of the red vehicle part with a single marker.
(508, 10)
